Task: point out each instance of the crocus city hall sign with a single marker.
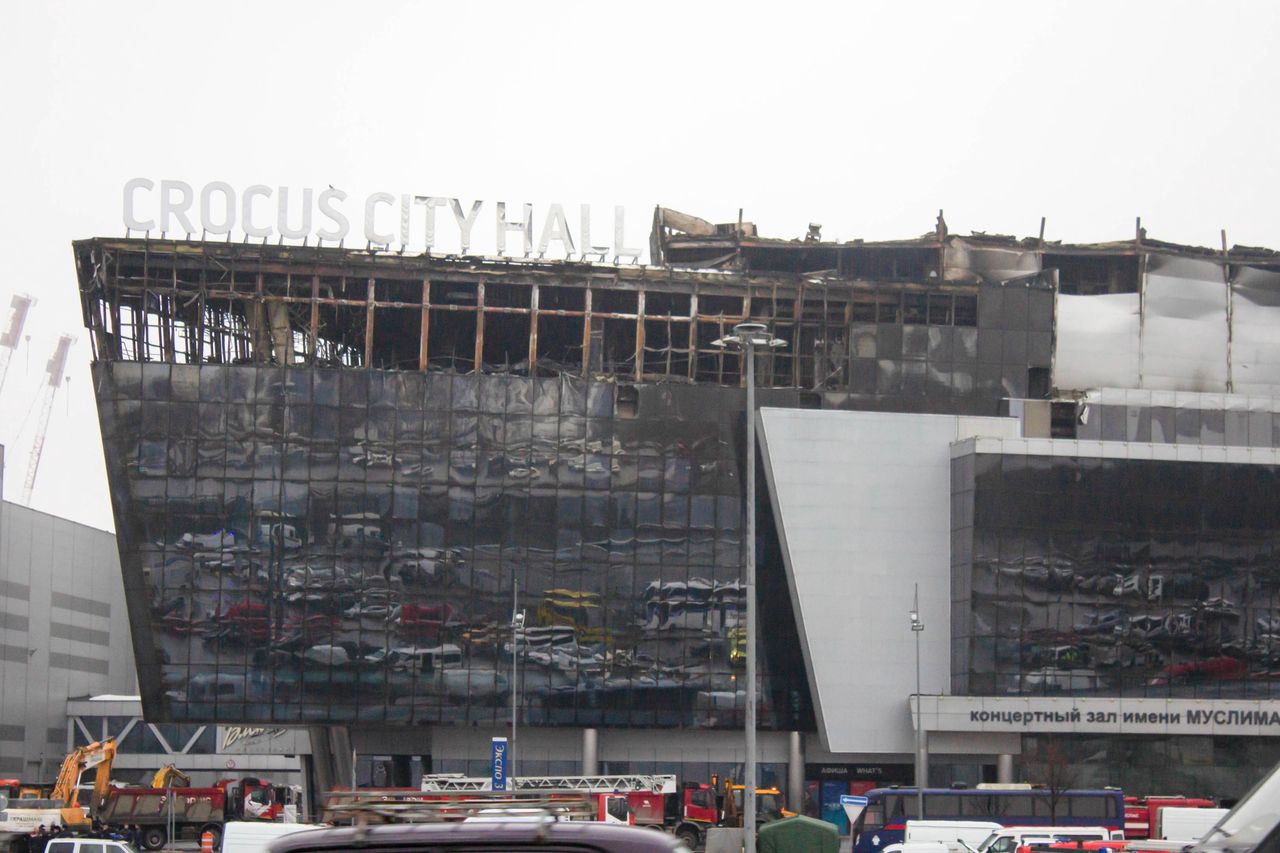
(381, 220)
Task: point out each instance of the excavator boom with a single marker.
(100, 755)
(170, 776)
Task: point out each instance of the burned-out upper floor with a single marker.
(962, 344)
(681, 240)
(936, 323)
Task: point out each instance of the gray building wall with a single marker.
(863, 510)
(64, 633)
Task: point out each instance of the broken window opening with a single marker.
(778, 366)
(666, 351)
(658, 303)
(627, 401)
(453, 293)
(939, 309)
(563, 299)
(559, 344)
(451, 340)
(397, 333)
(1090, 275)
(341, 344)
(831, 360)
(863, 312)
(915, 309)
(713, 306)
(793, 259)
(618, 349)
(614, 302)
(965, 310)
(902, 264)
(716, 364)
(504, 295)
(889, 308)
(506, 341)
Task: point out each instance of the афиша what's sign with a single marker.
(381, 220)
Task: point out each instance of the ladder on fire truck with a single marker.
(658, 784)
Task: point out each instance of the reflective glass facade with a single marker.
(1078, 576)
(334, 545)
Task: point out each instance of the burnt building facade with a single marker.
(336, 473)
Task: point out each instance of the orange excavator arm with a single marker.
(102, 778)
(100, 755)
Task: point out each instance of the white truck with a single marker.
(942, 836)
(1186, 824)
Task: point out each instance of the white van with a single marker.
(971, 832)
(1009, 839)
(255, 836)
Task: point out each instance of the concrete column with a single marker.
(1004, 769)
(319, 768)
(590, 752)
(922, 760)
(795, 772)
(340, 756)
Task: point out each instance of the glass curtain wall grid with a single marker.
(322, 504)
(1113, 577)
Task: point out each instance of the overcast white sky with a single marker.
(867, 118)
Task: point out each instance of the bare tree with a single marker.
(1059, 774)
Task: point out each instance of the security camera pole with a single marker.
(745, 338)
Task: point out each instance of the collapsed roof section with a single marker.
(681, 240)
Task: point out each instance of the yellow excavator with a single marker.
(62, 806)
(169, 776)
(66, 792)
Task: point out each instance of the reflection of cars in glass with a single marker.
(1215, 669)
(579, 609)
(216, 541)
(1055, 680)
(1105, 622)
(423, 621)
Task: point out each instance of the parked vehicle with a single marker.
(970, 832)
(86, 845)
(1141, 816)
(1186, 824)
(1252, 825)
(255, 836)
(195, 810)
(703, 806)
(1009, 839)
(632, 799)
(515, 834)
(888, 809)
(63, 808)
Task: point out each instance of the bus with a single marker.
(888, 809)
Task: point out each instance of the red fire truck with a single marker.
(633, 799)
(1142, 816)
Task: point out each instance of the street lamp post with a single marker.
(517, 625)
(917, 628)
(745, 338)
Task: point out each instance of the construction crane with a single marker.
(21, 305)
(56, 369)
